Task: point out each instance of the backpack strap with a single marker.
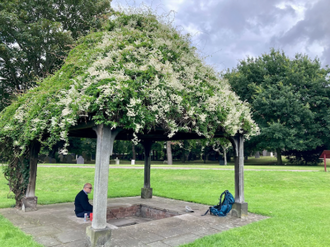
(207, 212)
(222, 194)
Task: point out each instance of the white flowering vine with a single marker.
(138, 73)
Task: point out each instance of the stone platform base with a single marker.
(146, 193)
(29, 204)
(98, 237)
(239, 210)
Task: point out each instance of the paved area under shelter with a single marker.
(57, 225)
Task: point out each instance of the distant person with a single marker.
(81, 203)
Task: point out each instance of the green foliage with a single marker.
(36, 36)
(126, 78)
(141, 75)
(290, 100)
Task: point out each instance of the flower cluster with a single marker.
(138, 73)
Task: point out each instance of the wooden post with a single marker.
(325, 162)
(99, 234)
(240, 207)
(146, 191)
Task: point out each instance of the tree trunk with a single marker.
(133, 152)
(34, 151)
(225, 156)
(169, 153)
(279, 156)
(206, 157)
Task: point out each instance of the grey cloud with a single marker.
(315, 26)
(233, 29)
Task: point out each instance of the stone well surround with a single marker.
(140, 210)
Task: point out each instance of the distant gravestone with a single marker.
(117, 161)
(221, 162)
(271, 154)
(61, 156)
(80, 160)
(68, 158)
(264, 153)
(257, 155)
(132, 162)
(48, 159)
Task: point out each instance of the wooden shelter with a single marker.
(105, 140)
(139, 79)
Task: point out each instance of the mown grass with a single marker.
(298, 203)
(11, 236)
(264, 162)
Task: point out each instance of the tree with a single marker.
(169, 152)
(290, 100)
(224, 144)
(36, 36)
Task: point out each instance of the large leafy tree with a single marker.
(37, 35)
(290, 100)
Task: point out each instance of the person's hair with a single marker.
(86, 184)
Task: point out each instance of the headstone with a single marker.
(48, 159)
(271, 154)
(68, 158)
(80, 160)
(257, 155)
(61, 156)
(264, 153)
(221, 162)
(132, 162)
(117, 161)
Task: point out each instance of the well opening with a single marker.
(135, 214)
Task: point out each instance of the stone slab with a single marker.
(157, 244)
(70, 236)
(47, 241)
(182, 239)
(57, 222)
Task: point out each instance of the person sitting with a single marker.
(81, 203)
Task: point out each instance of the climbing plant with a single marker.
(137, 73)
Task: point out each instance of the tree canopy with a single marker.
(290, 99)
(36, 36)
(137, 73)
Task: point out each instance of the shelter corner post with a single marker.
(240, 207)
(98, 234)
(146, 191)
(29, 202)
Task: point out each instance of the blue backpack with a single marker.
(224, 207)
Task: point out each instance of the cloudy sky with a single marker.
(226, 31)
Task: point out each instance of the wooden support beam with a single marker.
(240, 207)
(146, 191)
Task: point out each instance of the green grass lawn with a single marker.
(262, 163)
(298, 203)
